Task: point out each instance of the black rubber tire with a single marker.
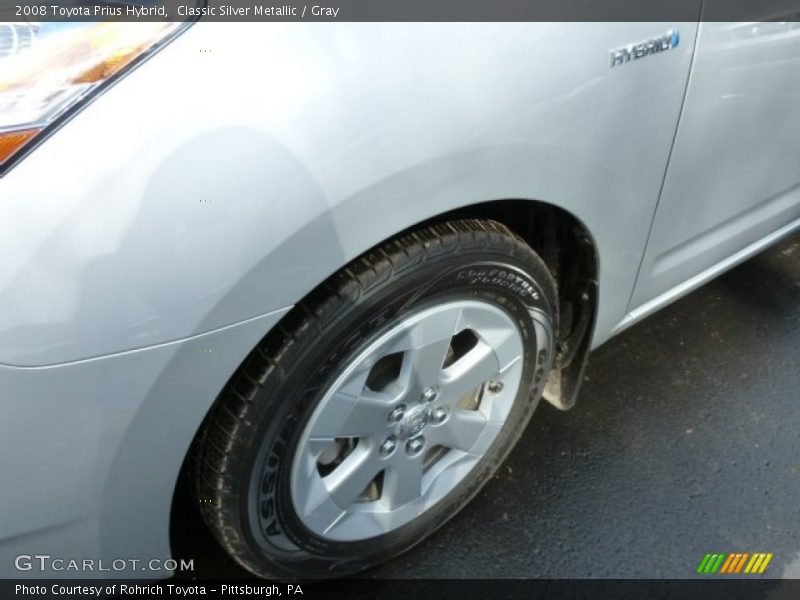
(244, 451)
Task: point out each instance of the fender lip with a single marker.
(564, 381)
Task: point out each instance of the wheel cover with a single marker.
(380, 450)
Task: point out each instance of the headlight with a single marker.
(49, 69)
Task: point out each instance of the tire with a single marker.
(255, 473)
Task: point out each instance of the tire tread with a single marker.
(229, 418)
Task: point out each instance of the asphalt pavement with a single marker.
(685, 440)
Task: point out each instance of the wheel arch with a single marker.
(568, 249)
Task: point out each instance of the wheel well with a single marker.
(568, 250)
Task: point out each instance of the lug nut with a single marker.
(495, 387)
(388, 446)
(429, 395)
(397, 414)
(415, 446)
(439, 415)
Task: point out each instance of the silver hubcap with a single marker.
(407, 420)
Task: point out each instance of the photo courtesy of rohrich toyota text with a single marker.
(121, 590)
(400, 299)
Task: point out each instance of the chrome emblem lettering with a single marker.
(668, 41)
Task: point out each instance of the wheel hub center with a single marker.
(414, 422)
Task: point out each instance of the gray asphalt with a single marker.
(685, 440)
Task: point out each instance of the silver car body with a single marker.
(160, 233)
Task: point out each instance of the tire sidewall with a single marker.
(522, 288)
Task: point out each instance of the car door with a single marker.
(733, 182)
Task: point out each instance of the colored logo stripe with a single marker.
(734, 563)
(710, 563)
(725, 567)
(758, 563)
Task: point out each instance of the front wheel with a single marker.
(381, 405)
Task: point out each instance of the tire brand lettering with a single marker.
(500, 278)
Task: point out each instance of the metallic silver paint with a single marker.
(733, 178)
(91, 450)
(204, 194)
(239, 193)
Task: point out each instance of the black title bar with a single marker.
(400, 10)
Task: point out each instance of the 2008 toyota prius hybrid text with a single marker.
(326, 271)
